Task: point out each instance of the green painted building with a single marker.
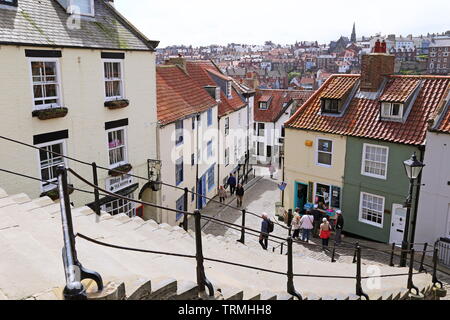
(375, 188)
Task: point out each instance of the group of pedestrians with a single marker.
(234, 188)
(314, 223)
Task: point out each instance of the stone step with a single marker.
(229, 293)
(186, 290)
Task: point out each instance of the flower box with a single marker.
(50, 113)
(54, 193)
(117, 104)
(124, 169)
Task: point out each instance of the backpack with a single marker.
(271, 226)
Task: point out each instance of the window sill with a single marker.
(117, 104)
(50, 113)
(120, 170)
(54, 193)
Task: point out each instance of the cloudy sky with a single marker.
(203, 22)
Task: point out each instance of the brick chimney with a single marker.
(375, 66)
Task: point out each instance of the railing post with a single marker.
(202, 281)
(359, 290)
(96, 193)
(281, 248)
(185, 218)
(290, 272)
(356, 251)
(333, 253)
(410, 274)
(391, 262)
(74, 271)
(435, 262)
(242, 239)
(421, 268)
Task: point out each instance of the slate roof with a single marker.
(178, 95)
(202, 71)
(44, 23)
(278, 99)
(361, 118)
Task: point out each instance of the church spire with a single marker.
(353, 37)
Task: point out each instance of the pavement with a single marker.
(261, 195)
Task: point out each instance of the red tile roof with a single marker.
(443, 114)
(444, 125)
(178, 95)
(200, 71)
(399, 91)
(361, 119)
(338, 87)
(276, 106)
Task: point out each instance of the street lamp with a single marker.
(413, 168)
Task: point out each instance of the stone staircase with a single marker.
(31, 268)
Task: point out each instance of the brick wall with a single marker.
(373, 68)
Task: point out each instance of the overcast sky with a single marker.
(204, 22)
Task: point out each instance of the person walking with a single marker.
(271, 170)
(307, 224)
(296, 226)
(339, 227)
(325, 232)
(317, 220)
(239, 194)
(264, 236)
(232, 183)
(222, 194)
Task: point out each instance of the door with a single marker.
(301, 195)
(397, 224)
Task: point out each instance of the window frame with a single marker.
(70, 4)
(125, 138)
(209, 149)
(129, 205)
(361, 219)
(177, 170)
(263, 129)
(122, 82)
(209, 117)
(317, 152)
(263, 104)
(363, 162)
(211, 174)
(179, 133)
(58, 83)
(43, 145)
(227, 156)
(227, 126)
(391, 109)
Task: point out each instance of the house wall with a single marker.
(235, 140)
(83, 94)
(170, 153)
(433, 218)
(301, 165)
(394, 188)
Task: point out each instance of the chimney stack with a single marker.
(179, 62)
(376, 66)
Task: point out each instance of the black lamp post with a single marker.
(413, 168)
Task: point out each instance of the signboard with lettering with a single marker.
(114, 184)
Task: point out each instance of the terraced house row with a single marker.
(345, 149)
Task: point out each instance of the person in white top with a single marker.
(307, 224)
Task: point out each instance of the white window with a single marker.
(375, 161)
(227, 156)
(46, 83)
(83, 7)
(48, 162)
(324, 152)
(113, 73)
(117, 147)
(227, 126)
(229, 89)
(392, 110)
(263, 105)
(119, 206)
(371, 209)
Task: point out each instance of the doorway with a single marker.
(202, 191)
(301, 195)
(397, 224)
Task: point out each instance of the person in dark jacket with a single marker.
(239, 194)
(232, 183)
(317, 220)
(339, 227)
(264, 236)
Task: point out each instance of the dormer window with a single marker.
(229, 89)
(9, 2)
(392, 110)
(263, 106)
(330, 106)
(78, 7)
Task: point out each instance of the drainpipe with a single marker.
(416, 201)
(218, 151)
(158, 156)
(199, 118)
